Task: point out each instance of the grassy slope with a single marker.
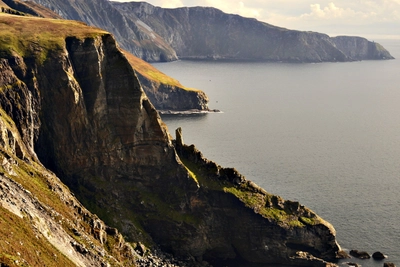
(153, 74)
(20, 33)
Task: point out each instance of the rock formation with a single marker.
(360, 254)
(165, 92)
(378, 255)
(71, 102)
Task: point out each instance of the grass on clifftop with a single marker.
(26, 35)
(148, 71)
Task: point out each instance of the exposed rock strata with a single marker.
(78, 105)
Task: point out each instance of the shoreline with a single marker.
(188, 112)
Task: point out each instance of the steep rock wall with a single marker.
(169, 97)
(208, 33)
(81, 109)
(43, 224)
(133, 37)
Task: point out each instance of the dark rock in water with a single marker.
(378, 256)
(359, 254)
(389, 264)
(343, 255)
(353, 264)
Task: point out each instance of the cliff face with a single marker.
(78, 105)
(135, 38)
(164, 92)
(200, 32)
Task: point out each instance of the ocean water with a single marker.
(326, 135)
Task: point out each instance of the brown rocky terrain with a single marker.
(73, 112)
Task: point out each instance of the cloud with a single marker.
(238, 7)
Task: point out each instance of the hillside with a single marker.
(76, 127)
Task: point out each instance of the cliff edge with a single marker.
(72, 103)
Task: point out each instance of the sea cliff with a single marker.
(208, 33)
(73, 112)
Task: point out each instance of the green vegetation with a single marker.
(21, 246)
(31, 36)
(253, 197)
(148, 71)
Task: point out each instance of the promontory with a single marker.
(90, 175)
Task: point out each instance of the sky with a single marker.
(369, 18)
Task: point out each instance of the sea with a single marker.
(325, 134)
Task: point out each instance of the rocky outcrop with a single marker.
(360, 254)
(166, 93)
(80, 111)
(359, 48)
(378, 255)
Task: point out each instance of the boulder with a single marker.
(359, 254)
(389, 264)
(378, 256)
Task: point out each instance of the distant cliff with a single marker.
(208, 33)
(161, 34)
(71, 102)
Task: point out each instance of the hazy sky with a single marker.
(370, 18)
